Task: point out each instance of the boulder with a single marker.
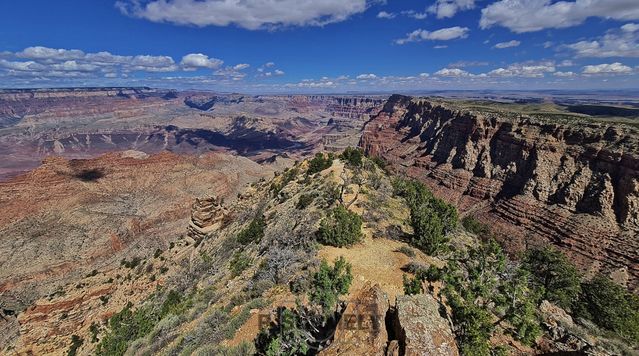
(362, 330)
(420, 329)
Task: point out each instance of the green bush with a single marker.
(239, 263)
(555, 276)
(379, 162)
(129, 325)
(286, 338)
(473, 225)
(305, 200)
(254, 232)
(319, 163)
(340, 228)
(352, 156)
(329, 283)
(76, 342)
(610, 306)
(288, 176)
(412, 285)
(407, 251)
(432, 219)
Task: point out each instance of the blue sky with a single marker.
(321, 45)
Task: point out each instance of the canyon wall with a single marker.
(535, 180)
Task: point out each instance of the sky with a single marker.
(289, 46)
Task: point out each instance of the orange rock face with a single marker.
(574, 185)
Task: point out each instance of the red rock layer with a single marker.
(536, 181)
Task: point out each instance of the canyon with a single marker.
(116, 195)
(535, 179)
(87, 122)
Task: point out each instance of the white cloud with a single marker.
(440, 47)
(564, 74)
(278, 72)
(615, 43)
(443, 34)
(366, 76)
(195, 61)
(248, 14)
(448, 8)
(452, 72)
(630, 27)
(527, 70)
(414, 14)
(509, 44)
(386, 15)
(424, 75)
(241, 66)
(45, 53)
(612, 68)
(535, 15)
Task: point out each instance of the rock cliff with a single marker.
(535, 179)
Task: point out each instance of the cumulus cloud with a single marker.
(415, 14)
(564, 74)
(622, 42)
(241, 66)
(386, 15)
(45, 53)
(607, 68)
(248, 14)
(527, 70)
(448, 8)
(535, 15)
(452, 72)
(366, 76)
(509, 44)
(443, 34)
(43, 62)
(194, 61)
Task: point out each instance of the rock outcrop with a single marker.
(536, 180)
(420, 329)
(371, 326)
(207, 215)
(362, 330)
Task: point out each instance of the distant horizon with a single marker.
(412, 92)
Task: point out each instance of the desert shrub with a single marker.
(332, 193)
(432, 219)
(555, 276)
(340, 228)
(94, 329)
(407, 251)
(520, 299)
(239, 263)
(473, 324)
(329, 283)
(76, 342)
(379, 162)
(305, 200)
(157, 253)
(288, 176)
(352, 156)
(319, 163)
(286, 337)
(610, 306)
(254, 232)
(129, 325)
(412, 285)
(135, 261)
(475, 226)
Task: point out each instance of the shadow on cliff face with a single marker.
(89, 175)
